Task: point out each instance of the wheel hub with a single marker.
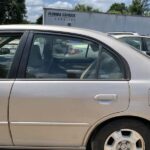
(124, 145)
(124, 139)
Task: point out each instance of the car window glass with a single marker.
(8, 48)
(110, 67)
(62, 57)
(133, 41)
(147, 40)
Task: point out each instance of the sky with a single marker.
(35, 7)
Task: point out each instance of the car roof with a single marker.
(47, 28)
(133, 56)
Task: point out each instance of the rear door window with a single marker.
(110, 66)
(61, 57)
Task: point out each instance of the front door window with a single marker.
(8, 48)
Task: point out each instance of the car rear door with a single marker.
(10, 49)
(53, 105)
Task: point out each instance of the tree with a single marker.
(146, 5)
(85, 8)
(39, 20)
(136, 7)
(118, 8)
(2, 10)
(12, 11)
(139, 7)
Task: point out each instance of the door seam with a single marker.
(8, 114)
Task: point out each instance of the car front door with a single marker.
(67, 83)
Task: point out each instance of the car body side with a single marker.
(137, 105)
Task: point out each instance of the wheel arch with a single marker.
(99, 125)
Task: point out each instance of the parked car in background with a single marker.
(122, 33)
(69, 88)
(141, 43)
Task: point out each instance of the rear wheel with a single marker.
(123, 134)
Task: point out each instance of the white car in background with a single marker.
(122, 33)
(139, 42)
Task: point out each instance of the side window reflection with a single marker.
(110, 67)
(62, 57)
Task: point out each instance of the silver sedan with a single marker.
(69, 88)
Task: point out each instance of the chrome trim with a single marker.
(49, 123)
(3, 122)
(49, 148)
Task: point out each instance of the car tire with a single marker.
(122, 134)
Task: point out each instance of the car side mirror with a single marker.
(148, 53)
(4, 51)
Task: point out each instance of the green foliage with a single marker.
(117, 12)
(12, 11)
(136, 8)
(39, 20)
(118, 8)
(84, 8)
(3, 8)
(139, 7)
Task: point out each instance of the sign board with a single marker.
(97, 21)
(57, 17)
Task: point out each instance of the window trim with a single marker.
(12, 74)
(144, 45)
(26, 52)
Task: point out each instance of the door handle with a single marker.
(106, 99)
